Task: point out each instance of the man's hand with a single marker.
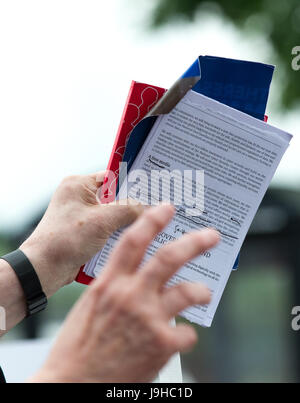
(74, 228)
(119, 330)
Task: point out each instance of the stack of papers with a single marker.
(237, 155)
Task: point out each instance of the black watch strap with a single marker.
(36, 299)
(2, 377)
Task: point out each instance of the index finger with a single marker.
(171, 257)
(130, 250)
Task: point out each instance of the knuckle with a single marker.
(188, 294)
(134, 209)
(167, 257)
(162, 341)
(154, 219)
(132, 241)
(126, 296)
(70, 179)
(69, 183)
(122, 295)
(120, 298)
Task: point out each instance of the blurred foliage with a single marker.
(277, 20)
(5, 245)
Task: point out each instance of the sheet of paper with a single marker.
(238, 154)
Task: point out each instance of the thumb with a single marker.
(120, 213)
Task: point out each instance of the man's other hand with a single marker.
(119, 329)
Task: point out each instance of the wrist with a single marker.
(12, 297)
(44, 266)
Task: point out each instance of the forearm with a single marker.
(11, 297)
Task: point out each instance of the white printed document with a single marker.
(235, 156)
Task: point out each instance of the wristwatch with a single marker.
(36, 299)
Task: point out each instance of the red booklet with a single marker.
(140, 100)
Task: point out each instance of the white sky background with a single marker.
(66, 67)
